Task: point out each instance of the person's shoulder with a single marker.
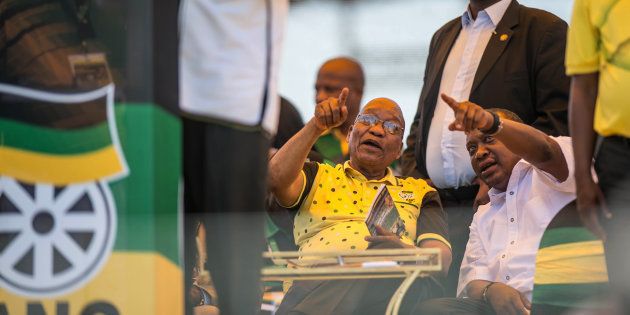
(415, 183)
(448, 26)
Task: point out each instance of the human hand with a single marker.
(506, 300)
(468, 116)
(332, 112)
(386, 239)
(590, 203)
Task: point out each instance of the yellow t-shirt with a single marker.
(599, 41)
(334, 204)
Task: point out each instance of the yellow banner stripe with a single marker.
(580, 262)
(32, 167)
(133, 282)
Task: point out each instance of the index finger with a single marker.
(343, 96)
(451, 102)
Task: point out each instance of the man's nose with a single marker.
(377, 129)
(482, 152)
(320, 96)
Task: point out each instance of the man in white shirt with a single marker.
(530, 176)
(499, 54)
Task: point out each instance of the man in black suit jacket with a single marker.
(521, 69)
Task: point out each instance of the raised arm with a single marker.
(284, 180)
(532, 145)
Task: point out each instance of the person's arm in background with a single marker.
(552, 85)
(590, 199)
(583, 65)
(540, 150)
(284, 179)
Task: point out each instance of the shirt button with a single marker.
(512, 243)
(503, 256)
(507, 278)
(511, 193)
(511, 219)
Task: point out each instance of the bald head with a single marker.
(385, 103)
(345, 69)
(333, 76)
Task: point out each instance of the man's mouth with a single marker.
(372, 143)
(487, 167)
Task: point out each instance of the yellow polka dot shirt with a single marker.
(335, 200)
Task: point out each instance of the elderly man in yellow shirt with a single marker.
(598, 61)
(330, 204)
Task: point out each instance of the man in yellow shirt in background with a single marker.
(598, 60)
(331, 204)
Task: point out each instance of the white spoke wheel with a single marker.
(53, 239)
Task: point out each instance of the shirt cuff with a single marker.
(433, 236)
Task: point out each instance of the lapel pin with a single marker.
(503, 37)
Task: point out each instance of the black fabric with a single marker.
(524, 74)
(613, 170)
(224, 187)
(360, 296)
(310, 170)
(460, 214)
(432, 218)
(289, 123)
(453, 306)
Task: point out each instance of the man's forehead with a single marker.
(474, 136)
(384, 107)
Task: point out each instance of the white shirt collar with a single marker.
(495, 12)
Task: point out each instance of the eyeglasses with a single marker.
(388, 125)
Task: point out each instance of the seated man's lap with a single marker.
(454, 306)
(358, 296)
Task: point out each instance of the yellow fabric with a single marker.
(599, 41)
(34, 167)
(343, 141)
(332, 215)
(581, 262)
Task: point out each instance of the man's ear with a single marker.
(349, 133)
(400, 151)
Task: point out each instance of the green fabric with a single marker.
(30, 137)
(330, 148)
(147, 199)
(565, 235)
(569, 295)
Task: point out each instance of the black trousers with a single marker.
(458, 206)
(612, 164)
(224, 187)
(361, 296)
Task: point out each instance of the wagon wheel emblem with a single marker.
(53, 239)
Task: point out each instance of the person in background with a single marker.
(229, 52)
(598, 61)
(332, 77)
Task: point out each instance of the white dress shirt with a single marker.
(505, 234)
(229, 55)
(448, 163)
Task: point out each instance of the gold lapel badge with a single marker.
(503, 37)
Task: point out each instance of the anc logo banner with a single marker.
(85, 229)
(57, 216)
